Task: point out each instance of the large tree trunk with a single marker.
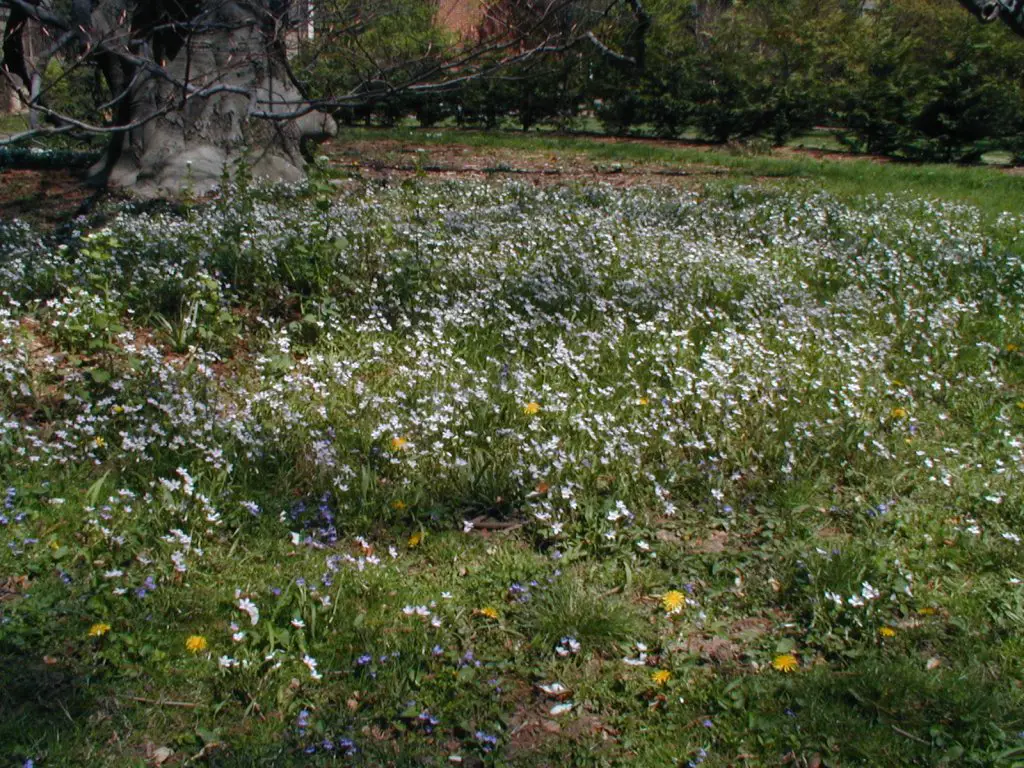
(218, 73)
(1011, 12)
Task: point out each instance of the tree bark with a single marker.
(1011, 12)
(199, 83)
(197, 86)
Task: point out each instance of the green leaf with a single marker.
(208, 736)
(93, 494)
(785, 645)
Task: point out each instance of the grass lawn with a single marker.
(470, 473)
(991, 189)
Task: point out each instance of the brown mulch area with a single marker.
(385, 159)
(44, 197)
(48, 198)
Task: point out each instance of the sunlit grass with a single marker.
(516, 476)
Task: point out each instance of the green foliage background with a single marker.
(919, 79)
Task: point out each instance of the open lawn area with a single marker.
(599, 453)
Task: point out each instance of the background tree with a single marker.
(196, 85)
(188, 87)
(922, 84)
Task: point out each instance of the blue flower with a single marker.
(487, 741)
(700, 757)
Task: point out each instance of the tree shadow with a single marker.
(40, 702)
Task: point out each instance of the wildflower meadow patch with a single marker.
(474, 474)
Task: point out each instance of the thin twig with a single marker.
(485, 523)
(911, 736)
(163, 702)
(202, 752)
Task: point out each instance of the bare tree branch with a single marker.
(608, 52)
(192, 78)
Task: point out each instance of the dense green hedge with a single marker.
(919, 79)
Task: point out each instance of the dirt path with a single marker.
(389, 158)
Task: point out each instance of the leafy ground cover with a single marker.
(469, 473)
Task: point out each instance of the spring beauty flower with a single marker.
(248, 606)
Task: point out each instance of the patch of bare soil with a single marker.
(729, 646)
(544, 718)
(48, 198)
(822, 154)
(388, 159)
(713, 543)
(13, 587)
(533, 730)
(44, 197)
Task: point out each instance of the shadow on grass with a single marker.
(887, 711)
(40, 703)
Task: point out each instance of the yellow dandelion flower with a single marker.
(416, 539)
(532, 408)
(898, 413)
(661, 676)
(195, 643)
(99, 442)
(398, 505)
(118, 409)
(785, 662)
(99, 629)
(642, 401)
(1012, 347)
(887, 632)
(926, 611)
(673, 601)
(489, 612)
(398, 443)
